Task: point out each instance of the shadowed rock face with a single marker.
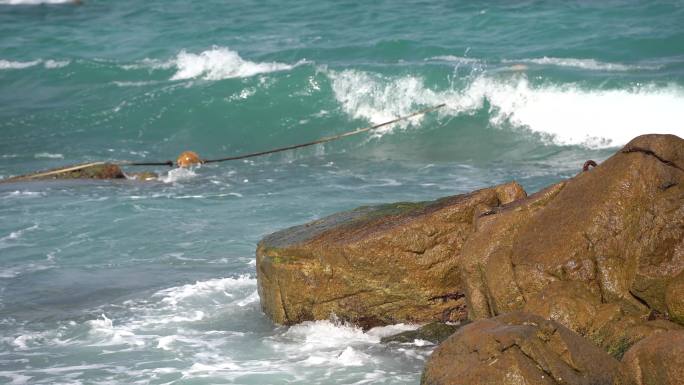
(518, 348)
(374, 265)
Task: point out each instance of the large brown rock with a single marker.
(607, 325)
(374, 265)
(674, 298)
(518, 349)
(656, 360)
(618, 229)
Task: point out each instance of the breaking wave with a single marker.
(565, 114)
(220, 63)
(587, 64)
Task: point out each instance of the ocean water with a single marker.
(122, 282)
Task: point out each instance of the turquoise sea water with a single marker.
(113, 282)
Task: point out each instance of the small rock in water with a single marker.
(435, 332)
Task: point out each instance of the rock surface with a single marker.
(618, 229)
(374, 265)
(656, 360)
(607, 325)
(674, 298)
(104, 171)
(600, 256)
(518, 348)
(94, 171)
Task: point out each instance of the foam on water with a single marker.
(48, 64)
(565, 114)
(455, 59)
(192, 332)
(104, 331)
(363, 95)
(14, 235)
(48, 155)
(586, 64)
(178, 175)
(36, 2)
(176, 295)
(220, 63)
(13, 65)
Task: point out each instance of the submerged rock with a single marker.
(518, 348)
(374, 265)
(434, 332)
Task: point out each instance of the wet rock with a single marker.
(607, 325)
(434, 332)
(89, 171)
(102, 171)
(143, 176)
(569, 303)
(375, 265)
(617, 228)
(518, 348)
(656, 360)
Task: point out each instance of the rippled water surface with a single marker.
(112, 282)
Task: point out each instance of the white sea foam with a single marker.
(48, 155)
(587, 64)
(379, 99)
(165, 342)
(153, 64)
(15, 378)
(178, 175)
(50, 64)
(36, 2)
(315, 335)
(220, 63)
(17, 65)
(14, 235)
(176, 295)
(567, 114)
(14, 65)
(455, 59)
(572, 115)
(107, 334)
(23, 194)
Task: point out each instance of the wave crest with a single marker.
(220, 63)
(587, 64)
(565, 114)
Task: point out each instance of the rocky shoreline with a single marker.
(579, 283)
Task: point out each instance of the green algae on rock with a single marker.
(518, 348)
(374, 265)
